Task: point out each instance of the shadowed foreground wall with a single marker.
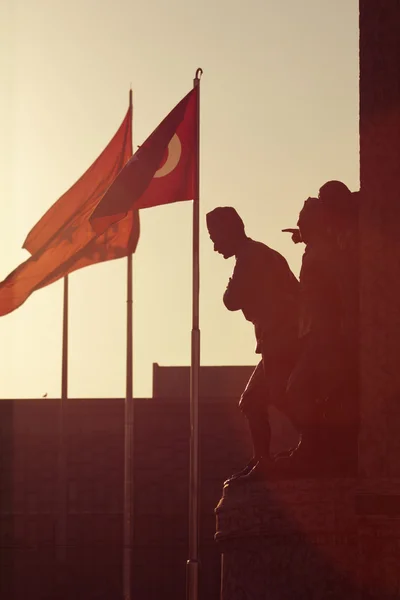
(32, 565)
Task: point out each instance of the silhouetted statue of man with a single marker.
(263, 287)
(342, 214)
(342, 210)
(326, 366)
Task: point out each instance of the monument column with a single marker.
(379, 443)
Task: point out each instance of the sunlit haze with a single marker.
(279, 117)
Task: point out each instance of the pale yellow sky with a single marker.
(279, 116)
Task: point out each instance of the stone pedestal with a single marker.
(310, 539)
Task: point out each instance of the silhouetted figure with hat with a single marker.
(263, 287)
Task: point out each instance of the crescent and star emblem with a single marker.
(174, 154)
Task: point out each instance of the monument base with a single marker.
(310, 539)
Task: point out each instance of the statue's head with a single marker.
(334, 192)
(226, 230)
(341, 207)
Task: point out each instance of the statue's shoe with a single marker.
(247, 469)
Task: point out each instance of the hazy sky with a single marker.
(279, 117)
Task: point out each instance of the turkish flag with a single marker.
(63, 240)
(162, 170)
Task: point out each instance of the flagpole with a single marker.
(64, 372)
(192, 565)
(128, 434)
(62, 475)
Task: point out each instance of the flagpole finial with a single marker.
(199, 73)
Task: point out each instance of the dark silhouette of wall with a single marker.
(31, 562)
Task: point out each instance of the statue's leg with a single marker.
(266, 386)
(341, 421)
(319, 402)
(254, 405)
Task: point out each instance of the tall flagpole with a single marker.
(64, 372)
(128, 437)
(62, 459)
(192, 574)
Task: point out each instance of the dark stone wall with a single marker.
(89, 567)
(36, 562)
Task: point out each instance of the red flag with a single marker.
(63, 240)
(162, 171)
